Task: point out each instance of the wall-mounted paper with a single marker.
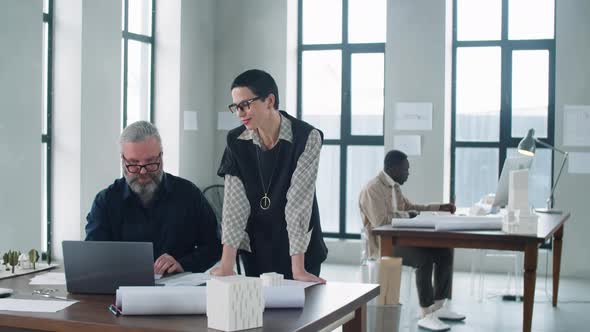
(576, 121)
(413, 116)
(409, 144)
(227, 121)
(579, 163)
(191, 120)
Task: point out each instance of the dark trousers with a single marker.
(424, 259)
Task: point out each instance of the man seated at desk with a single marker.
(380, 201)
(149, 205)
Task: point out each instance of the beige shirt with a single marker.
(380, 201)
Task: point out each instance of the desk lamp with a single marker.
(527, 148)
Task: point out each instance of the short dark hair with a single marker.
(394, 158)
(259, 82)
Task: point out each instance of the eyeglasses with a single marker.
(136, 168)
(243, 105)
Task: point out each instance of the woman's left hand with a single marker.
(307, 277)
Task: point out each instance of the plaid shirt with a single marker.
(380, 201)
(236, 207)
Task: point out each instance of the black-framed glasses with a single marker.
(243, 105)
(136, 168)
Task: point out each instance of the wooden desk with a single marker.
(324, 304)
(550, 225)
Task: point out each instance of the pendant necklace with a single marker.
(265, 200)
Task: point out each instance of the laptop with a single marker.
(100, 267)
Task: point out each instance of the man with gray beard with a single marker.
(149, 205)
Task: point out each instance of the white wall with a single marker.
(87, 96)
(197, 83)
(21, 32)
(249, 35)
(415, 58)
(184, 81)
(571, 87)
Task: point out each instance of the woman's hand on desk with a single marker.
(228, 259)
(299, 272)
(307, 277)
(219, 271)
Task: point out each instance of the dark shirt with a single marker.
(179, 221)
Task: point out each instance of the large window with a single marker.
(46, 135)
(137, 60)
(503, 84)
(341, 92)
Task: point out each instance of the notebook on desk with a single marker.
(96, 267)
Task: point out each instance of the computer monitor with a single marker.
(510, 164)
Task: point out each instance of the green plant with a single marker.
(13, 258)
(5, 261)
(33, 257)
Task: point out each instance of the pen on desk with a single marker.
(114, 310)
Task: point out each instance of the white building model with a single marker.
(271, 279)
(234, 303)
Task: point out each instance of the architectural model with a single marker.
(234, 303)
(271, 279)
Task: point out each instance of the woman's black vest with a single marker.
(267, 229)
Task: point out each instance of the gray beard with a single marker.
(146, 192)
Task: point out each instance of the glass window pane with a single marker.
(476, 174)
(478, 91)
(138, 81)
(539, 176)
(328, 188)
(140, 17)
(363, 163)
(479, 20)
(321, 83)
(531, 19)
(530, 92)
(46, 6)
(322, 21)
(366, 21)
(367, 84)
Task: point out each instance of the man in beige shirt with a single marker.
(380, 201)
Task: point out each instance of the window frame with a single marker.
(346, 138)
(46, 138)
(507, 46)
(127, 36)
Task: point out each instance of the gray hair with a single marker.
(138, 132)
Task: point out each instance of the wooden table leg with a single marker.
(359, 322)
(530, 277)
(557, 243)
(386, 246)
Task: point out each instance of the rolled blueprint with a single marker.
(190, 300)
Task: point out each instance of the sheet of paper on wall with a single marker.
(579, 163)
(413, 116)
(576, 121)
(191, 120)
(227, 121)
(409, 144)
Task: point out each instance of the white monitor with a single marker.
(510, 164)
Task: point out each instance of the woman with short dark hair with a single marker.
(270, 212)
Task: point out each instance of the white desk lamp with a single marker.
(527, 148)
